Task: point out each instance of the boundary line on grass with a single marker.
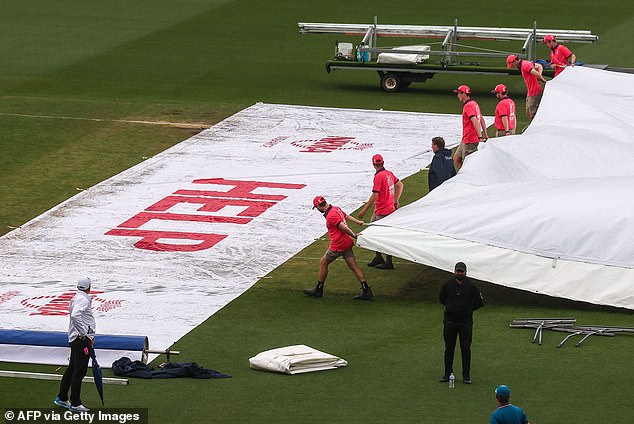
(187, 125)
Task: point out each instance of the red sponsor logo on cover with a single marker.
(330, 144)
(6, 296)
(57, 305)
(276, 140)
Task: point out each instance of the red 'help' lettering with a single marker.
(212, 204)
(241, 189)
(240, 195)
(149, 240)
(143, 217)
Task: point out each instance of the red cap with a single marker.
(377, 159)
(463, 89)
(510, 60)
(549, 38)
(500, 88)
(318, 200)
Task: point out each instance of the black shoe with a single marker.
(316, 292)
(365, 295)
(376, 262)
(466, 380)
(444, 379)
(385, 265)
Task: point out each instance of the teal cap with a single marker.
(502, 391)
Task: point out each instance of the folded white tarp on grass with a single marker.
(296, 359)
(405, 58)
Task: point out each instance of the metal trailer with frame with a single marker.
(395, 77)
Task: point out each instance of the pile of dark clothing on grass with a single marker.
(127, 368)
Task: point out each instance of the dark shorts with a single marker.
(331, 255)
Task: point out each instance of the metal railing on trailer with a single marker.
(394, 78)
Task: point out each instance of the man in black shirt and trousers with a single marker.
(460, 297)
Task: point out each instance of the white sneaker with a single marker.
(79, 408)
(62, 403)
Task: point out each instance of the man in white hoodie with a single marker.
(81, 333)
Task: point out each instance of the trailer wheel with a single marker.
(391, 83)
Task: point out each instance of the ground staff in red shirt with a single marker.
(532, 73)
(341, 243)
(474, 129)
(504, 112)
(386, 192)
(560, 55)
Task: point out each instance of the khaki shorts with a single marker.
(532, 103)
(331, 255)
(465, 150)
(502, 133)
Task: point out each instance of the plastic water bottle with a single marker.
(452, 381)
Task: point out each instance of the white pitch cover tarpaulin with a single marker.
(172, 240)
(549, 211)
(297, 359)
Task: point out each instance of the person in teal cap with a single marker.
(505, 412)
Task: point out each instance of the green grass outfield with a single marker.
(73, 73)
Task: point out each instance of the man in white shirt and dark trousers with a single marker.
(81, 333)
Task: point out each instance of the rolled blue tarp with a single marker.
(60, 339)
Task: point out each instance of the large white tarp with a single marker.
(549, 211)
(172, 240)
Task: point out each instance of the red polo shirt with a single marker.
(469, 133)
(339, 241)
(559, 56)
(532, 83)
(505, 107)
(384, 182)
